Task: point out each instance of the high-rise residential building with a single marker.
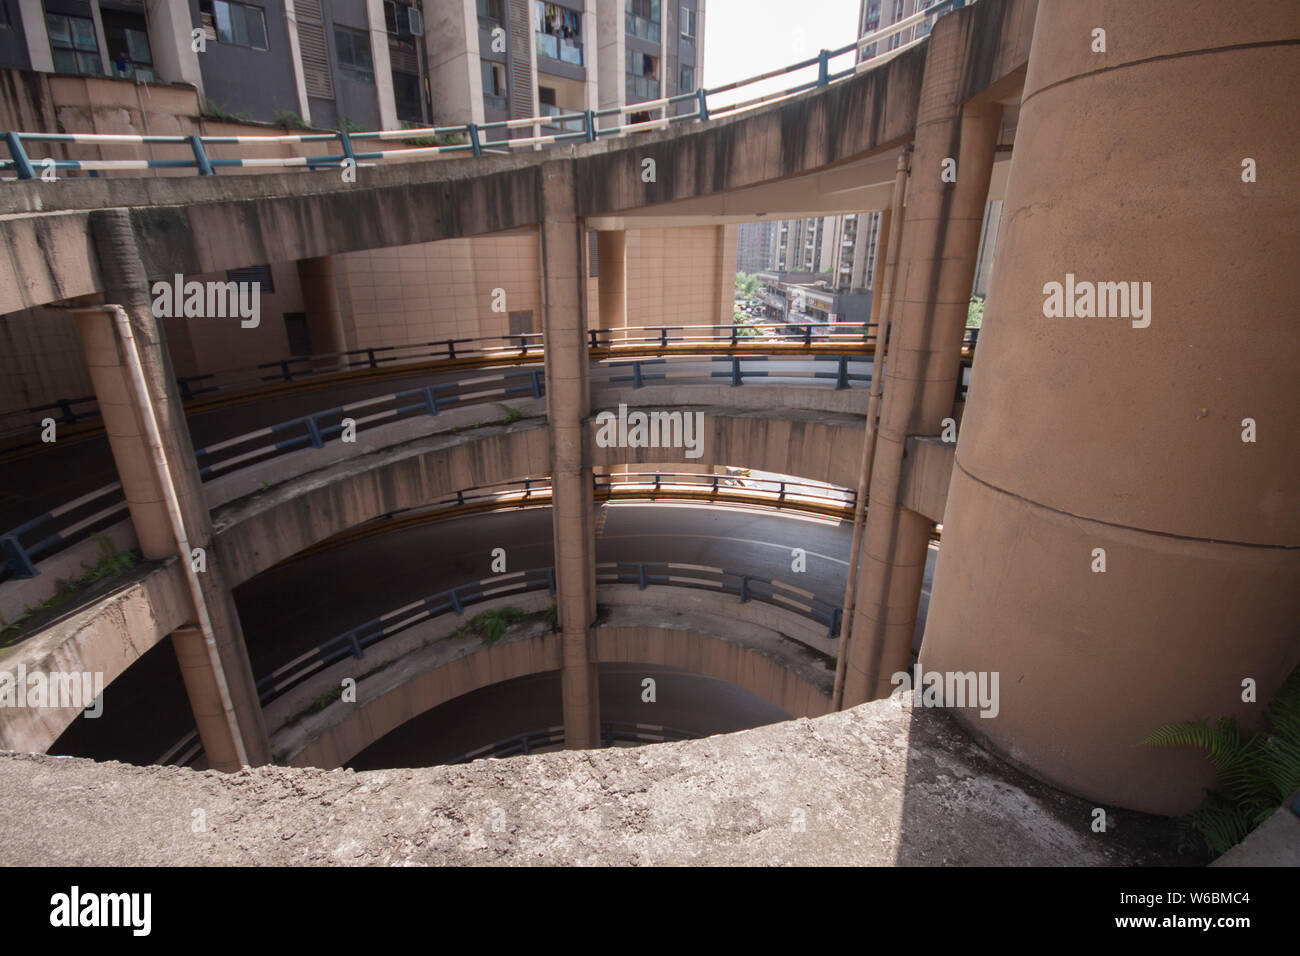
(877, 14)
(755, 246)
(369, 64)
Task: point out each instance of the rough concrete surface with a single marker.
(879, 784)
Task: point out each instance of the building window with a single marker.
(558, 32)
(406, 93)
(128, 45)
(642, 19)
(403, 20)
(686, 81)
(494, 85)
(688, 23)
(491, 10)
(239, 24)
(354, 52)
(642, 75)
(72, 41)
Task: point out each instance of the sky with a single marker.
(747, 37)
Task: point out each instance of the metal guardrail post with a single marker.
(355, 645)
(201, 157)
(735, 372)
(550, 579)
(636, 374)
(589, 124)
(663, 337)
(18, 557)
(451, 348)
(346, 142)
(641, 576)
(842, 379)
(702, 96)
(474, 140)
(430, 392)
(314, 431)
(744, 589)
(22, 164)
(535, 378)
(807, 335)
(454, 597)
(370, 354)
(836, 616)
(823, 67)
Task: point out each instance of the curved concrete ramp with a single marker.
(876, 785)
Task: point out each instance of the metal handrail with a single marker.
(467, 137)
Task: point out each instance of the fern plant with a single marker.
(1256, 771)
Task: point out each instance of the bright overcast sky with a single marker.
(747, 37)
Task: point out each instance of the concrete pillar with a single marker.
(882, 244)
(385, 99)
(126, 285)
(611, 60)
(320, 300)
(205, 698)
(568, 404)
(611, 284)
(451, 41)
(170, 39)
(940, 243)
(38, 37)
(724, 280)
(1091, 433)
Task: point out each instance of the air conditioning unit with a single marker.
(416, 21)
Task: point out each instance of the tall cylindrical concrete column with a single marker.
(1112, 546)
(611, 283)
(126, 285)
(929, 298)
(568, 403)
(320, 300)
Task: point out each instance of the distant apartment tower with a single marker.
(755, 246)
(844, 248)
(877, 14)
(507, 59)
(369, 64)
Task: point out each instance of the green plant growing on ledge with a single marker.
(512, 414)
(491, 625)
(1256, 771)
(111, 562)
(289, 120)
(975, 312)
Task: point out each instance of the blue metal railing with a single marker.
(355, 641)
(469, 138)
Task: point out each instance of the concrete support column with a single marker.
(451, 42)
(1123, 438)
(170, 39)
(929, 300)
(126, 285)
(568, 404)
(877, 279)
(320, 300)
(205, 698)
(38, 37)
(611, 284)
(385, 99)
